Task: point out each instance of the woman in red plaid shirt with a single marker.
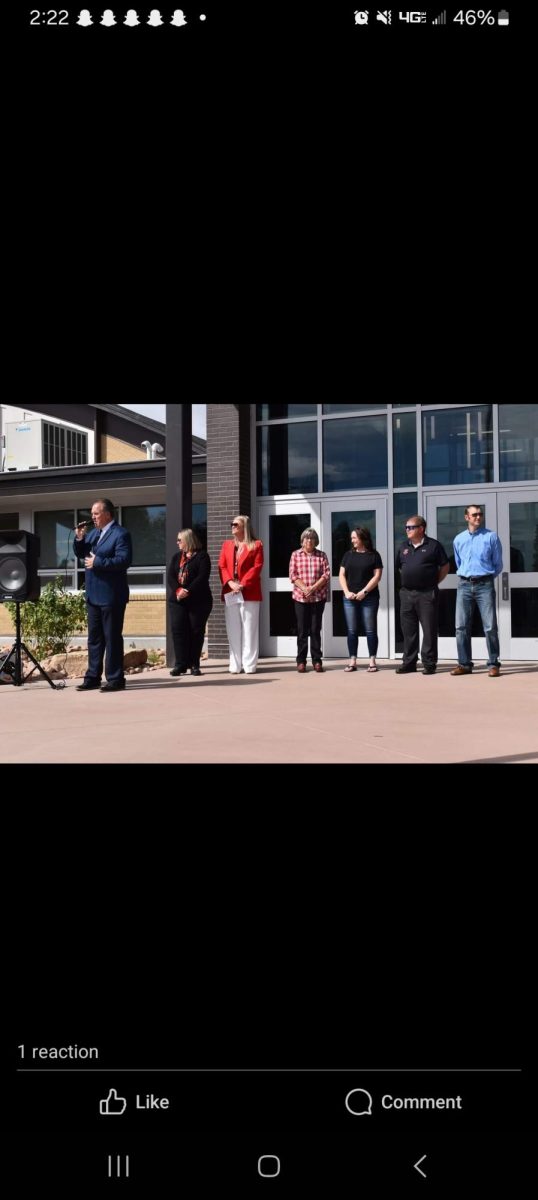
(310, 574)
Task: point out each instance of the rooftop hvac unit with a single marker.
(37, 443)
(24, 445)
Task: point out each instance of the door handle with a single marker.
(506, 587)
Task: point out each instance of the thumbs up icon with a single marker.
(113, 1106)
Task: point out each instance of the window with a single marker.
(55, 532)
(285, 537)
(9, 521)
(518, 441)
(342, 524)
(275, 412)
(355, 454)
(404, 449)
(523, 537)
(450, 522)
(199, 522)
(147, 526)
(457, 445)
(287, 457)
(351, 407)
(63, 447)
(404, 506)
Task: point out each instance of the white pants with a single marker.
(242, 627)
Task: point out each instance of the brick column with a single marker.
(178, 488)
(228, 493)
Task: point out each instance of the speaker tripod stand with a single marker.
(15, 656)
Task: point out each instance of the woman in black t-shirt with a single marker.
(360, 573)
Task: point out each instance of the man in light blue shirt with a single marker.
(479, 559)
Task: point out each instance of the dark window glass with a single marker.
(285, 537)
(275, 412)
(450, 522)
(524, 537)
(351, 407)
(524, 608)
(199, 522)
(287, 457)
(518, 441)
(355, 453)
(147, 528)
(81, 514)
(139, 579)
(9, 521)
(457, 445)
(55, 531)
(66, 578)
(447, 615)
(339, 620)
(282, 621)
(404, 442)
(404, 506)
(342, 524)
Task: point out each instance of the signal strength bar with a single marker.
(440, 20)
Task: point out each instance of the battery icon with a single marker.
(504, 17)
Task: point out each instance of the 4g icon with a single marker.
(414, 18)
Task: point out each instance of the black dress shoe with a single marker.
(405, 671)
(195, 671)
(428, 671)
(113, 687)
(177, 671)
(89, 685)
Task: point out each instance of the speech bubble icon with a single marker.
(359, 1103)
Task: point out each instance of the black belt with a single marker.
(476, 578)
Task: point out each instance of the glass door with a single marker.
(445, 517)
(281, 523)
(518, 601)
(339, 517)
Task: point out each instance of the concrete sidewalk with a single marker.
(279, 716)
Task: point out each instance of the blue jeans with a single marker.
(483, 595)
(362, 614)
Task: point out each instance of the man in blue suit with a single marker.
(107, 552)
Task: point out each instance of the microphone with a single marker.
(83, 524)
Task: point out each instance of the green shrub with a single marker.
(49, 624)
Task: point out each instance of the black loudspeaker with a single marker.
(19, 555)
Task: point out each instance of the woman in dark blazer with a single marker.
(189, 601)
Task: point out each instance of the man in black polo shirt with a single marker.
(423, 565)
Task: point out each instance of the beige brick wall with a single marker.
(145, 616)
(112, 450)
(7, 628)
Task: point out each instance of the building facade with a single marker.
(335, 466)
(329, 466)
(56, 459)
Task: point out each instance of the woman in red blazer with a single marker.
(240, 568)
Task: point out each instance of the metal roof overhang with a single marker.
(124, 483)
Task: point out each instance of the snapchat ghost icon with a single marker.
(178, 18)
(131, 18)
(108, 18)
(85, 18)
(155, 18)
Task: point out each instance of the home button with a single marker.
(269, 1166)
